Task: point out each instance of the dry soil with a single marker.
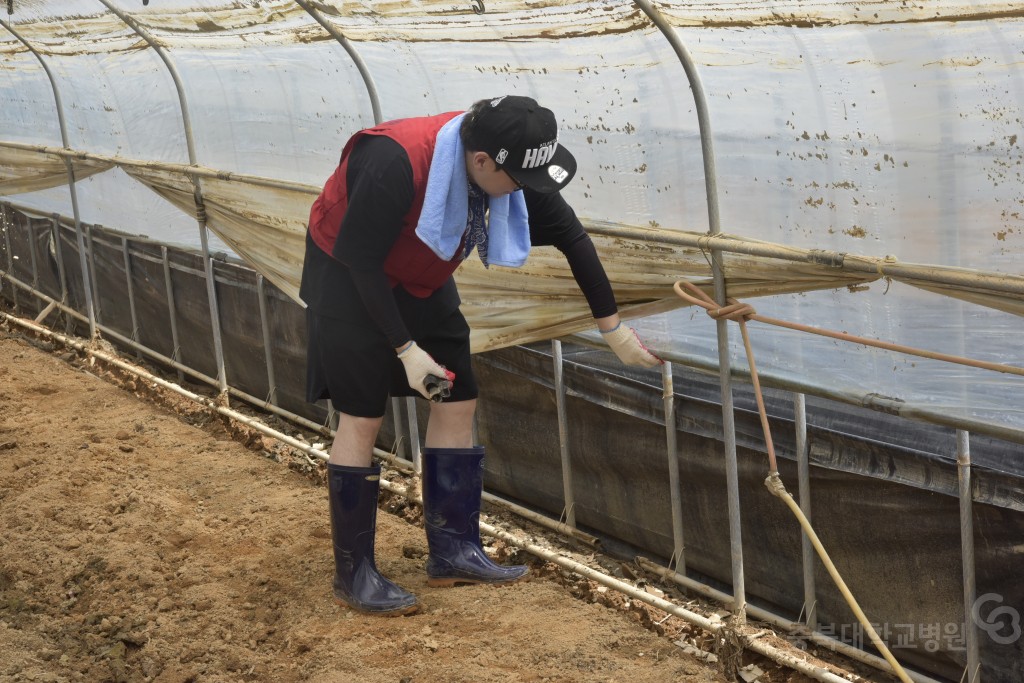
(142, 540)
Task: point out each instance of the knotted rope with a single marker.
(740, 313)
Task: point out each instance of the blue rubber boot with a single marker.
(357, 583)
(452, 489)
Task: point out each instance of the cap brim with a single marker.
(549, 178)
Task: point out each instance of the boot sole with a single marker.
(450, 582)
(400, 612)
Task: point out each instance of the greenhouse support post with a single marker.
(409, 431)
(396, 417)
(668, 396)
(171, 310)
(90, 253)
(10, 258)
(371, 87)
(414, 434)
(569, 498)
(803, 469)
(268, 355)
(725, 374)
(33, 259)
(797, 629)
(126, 252)
(211, 281)
(963, 468)
(58, 250)
(71, 175)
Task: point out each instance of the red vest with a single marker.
(410, 262)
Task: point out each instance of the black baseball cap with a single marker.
(522, 138)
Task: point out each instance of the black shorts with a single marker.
(352, 363)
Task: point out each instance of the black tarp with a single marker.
(886, 509)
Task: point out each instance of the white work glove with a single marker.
(432, 380)
(627, 346)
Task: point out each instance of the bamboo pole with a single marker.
(885, 266)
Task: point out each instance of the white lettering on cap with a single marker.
(538, 156)
(557, 173)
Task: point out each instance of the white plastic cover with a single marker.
(881, 128)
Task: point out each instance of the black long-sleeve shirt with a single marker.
(380, 192)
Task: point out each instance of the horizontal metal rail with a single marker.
(871, 401)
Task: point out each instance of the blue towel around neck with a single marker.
(443, 220)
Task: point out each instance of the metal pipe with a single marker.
(842, 262)
(678, 560)
(371, 87)
(803, 468)
(331, 426)
(701, 105)
(396, 417)
(131, 290)
(171, 309)
(45, 312)
(71, 174)
(211, 296)
(414, 434)
(10, 259)
(731, 476)
(91, 260)
(569, 509)
(58, 250)
(211, 283)
(34, 260)
(268, 356)
(963, 468)
(718, 274)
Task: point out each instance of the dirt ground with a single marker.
(139, 542)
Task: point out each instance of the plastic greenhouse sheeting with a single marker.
(882, 129)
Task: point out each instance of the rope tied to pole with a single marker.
(740, 313)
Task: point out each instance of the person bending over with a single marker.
(408, 202)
